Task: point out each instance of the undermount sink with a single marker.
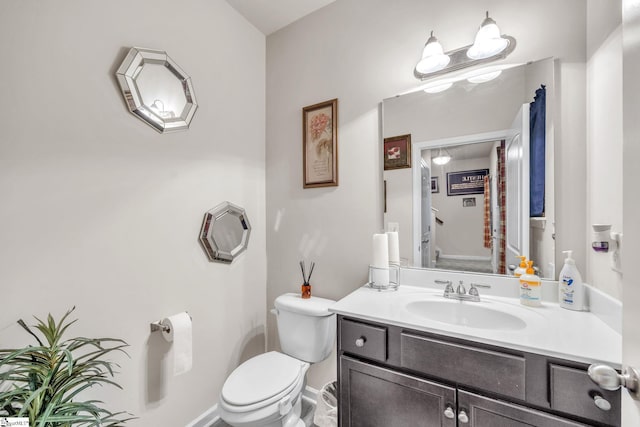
(469, 314)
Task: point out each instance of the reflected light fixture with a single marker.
(484, 77)
(488, 41)
(442, 158)
(433, 57)
(438, 87)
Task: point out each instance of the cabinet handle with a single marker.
(462, 417)
(360, 342)
(601, 402)
(448, 413)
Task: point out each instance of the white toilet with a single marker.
(266, 390)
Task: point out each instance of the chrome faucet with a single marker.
(461, 292)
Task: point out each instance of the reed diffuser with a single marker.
(306, 287)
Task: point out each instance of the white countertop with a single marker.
(550, 330)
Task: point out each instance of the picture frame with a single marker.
(397, 152)
(320, 144)
(468, 202)
(435, 188)
(467, 182)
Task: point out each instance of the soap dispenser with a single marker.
(571, 290)
(530, 287)
(522, 269)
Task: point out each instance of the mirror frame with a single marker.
(130, 70)
(462, 138)
(211, 247)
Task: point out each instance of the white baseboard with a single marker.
(207, 419)
(211, 415)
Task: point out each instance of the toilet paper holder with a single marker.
(161, 327)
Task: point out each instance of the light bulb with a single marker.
(433, 57)
(488, 41)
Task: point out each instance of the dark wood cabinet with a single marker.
(482, 411)
(390, 376)
(374, 396)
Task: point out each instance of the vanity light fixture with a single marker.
(489, 45)
(433, 57)
(442, 158)
(488, 41)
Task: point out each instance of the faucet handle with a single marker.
(473, 290)
(480, 285)
(448, 289)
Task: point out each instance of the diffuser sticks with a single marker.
(306, 287)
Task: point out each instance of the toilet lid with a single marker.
(260, 378)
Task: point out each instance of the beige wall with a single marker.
(102, 212)
(362, 52)
(604, 136)
(462, 233)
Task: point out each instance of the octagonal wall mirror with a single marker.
(225, 232)
(157, 90)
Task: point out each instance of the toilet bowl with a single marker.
(275, 384)
(266, 390)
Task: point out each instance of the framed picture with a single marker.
(468, 202)
(397, 152)
(434, 185)
(466, 182)
(320, 144)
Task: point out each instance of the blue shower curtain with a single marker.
(537, 119)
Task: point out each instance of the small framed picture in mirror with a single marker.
(468, 202)
(434, 185)
(397, 152)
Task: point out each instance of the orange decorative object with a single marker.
(306, 291)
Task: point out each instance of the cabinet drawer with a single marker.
(573, 392)
(484, 369)
(363, 340)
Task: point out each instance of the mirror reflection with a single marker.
(157, 90)
(225, 232)
(465, 203)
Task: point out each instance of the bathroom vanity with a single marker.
(403, 362)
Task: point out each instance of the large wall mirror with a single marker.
(447, 216)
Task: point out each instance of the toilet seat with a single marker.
(272, 377)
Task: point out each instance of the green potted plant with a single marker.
(43, 382)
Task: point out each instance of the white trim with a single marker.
(207, 419)
(416, 154)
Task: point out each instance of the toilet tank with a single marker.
(306, 328)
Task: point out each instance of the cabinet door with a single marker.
(371, 396)
(479, 411)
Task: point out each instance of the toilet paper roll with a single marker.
(180, 335)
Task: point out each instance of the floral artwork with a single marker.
(319, 145)
(397, 152)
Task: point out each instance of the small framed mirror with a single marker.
(157, 90)
(225, 232)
